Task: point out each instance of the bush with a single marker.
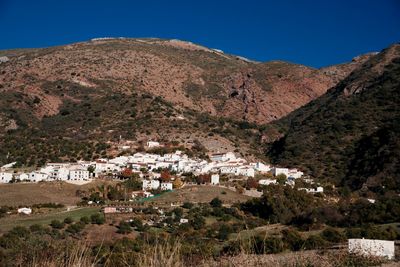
(20, 231)
(75, 228)
(124, 228)
(332, 235)
(197, 222)
(187, 205)
(56, 224)
(216, 203)
(292, 239)
(314, 242)
(36, 228)
(268, 245)
(68, 220)
(97, 218)
(85, 220)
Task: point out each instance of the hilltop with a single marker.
(66, 102)
(350, 135)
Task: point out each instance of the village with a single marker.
(148, 167)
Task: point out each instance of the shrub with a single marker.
(97, 218)
(292, 239)
(314, 242)
(75, 228)
(68, 220)
(56, 224)
(187, 205)
(216, 203)
(124, 228)
(85, 219)
(332, 235)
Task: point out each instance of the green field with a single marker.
(9, 222)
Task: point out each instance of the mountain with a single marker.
(351, 134)
(67, 102)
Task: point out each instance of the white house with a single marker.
(222, 156)
(37, 176)
(295, 173)
(5, 177)
(267, 181)
(79, 174)
(60, 173)
(214, 179)
(183, 220)
(151, 144)
(8, 166)
(277, 171)
(26, 211)
(166, 186)
(150, 184)
(372, 247)
(23, 177)
(319, 189)
(246, 171)
(261, 167)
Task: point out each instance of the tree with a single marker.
(124, 227)
(85, 220)
(177, 183)
(75, 228)
(127, 173)
(197, 222)
(56, 224)
(91, 169)
(216, 203)
(292, 239)
(332, 235)
(97, 218)
(251, 183)
(165, 176)
(281, 179)
(68, 220)
(187, 205)
(203, 178)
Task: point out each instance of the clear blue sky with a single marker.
(314, 33)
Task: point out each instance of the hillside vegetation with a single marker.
(67, 102)
(350, 135)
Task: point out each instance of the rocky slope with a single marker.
(106, 88)
(350, 135)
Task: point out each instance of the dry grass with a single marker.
(36, 193)
(169, 254)
(314, 258)
(200, 194)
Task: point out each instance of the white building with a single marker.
(150, 184)
(79, 175)
(59, 173)
(26, 211)
(372, 247)
(37, 176)
(214, 179)
(8, 166)
(166, 186)
(222, 156)
(5, 177)
(152, 144)
(23, 177)
(295, 173)
(261, 167)
(183, 220)
(319, 189)
(277, 171)
(245, 171)
(267, 181)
